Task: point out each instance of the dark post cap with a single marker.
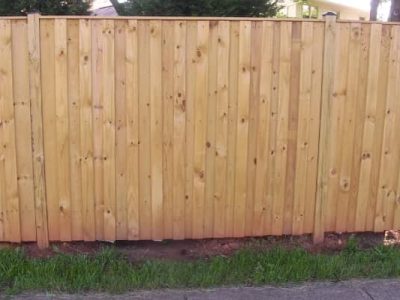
(329, 13)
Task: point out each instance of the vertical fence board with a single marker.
(132, 111)
(255, 60)
(179, 111)
(156, 130)
(98, 107)
(86, 130)
(120, 128)
(11, 205)
(200, 124)
(20, 60)
(49, 120)
(62, 127)
(109, 104)
(145, 212)
(221, 135)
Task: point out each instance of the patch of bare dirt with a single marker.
(203, 249)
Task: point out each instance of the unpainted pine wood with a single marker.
(242, 125)
(314, 126)
(282, 128)
(121, 217)
(35, 99)
(62, 127)
(338, 100)
(200, 124)
(2, 194)
(391, 206)
(263, 131)
(11, 198)
(380, 121)
(349, 120)
(211, 131)
(233, 78)
(396, 210)
(221, 134)
(340, 105)
(293, 116)
(269, 192)
(168, 58)
(109, 131)
(302, 145)
(359, 124)
(370, 119)
(190, 74)
(145, 207)
(390, 158)
(323, 144)
(49, 129)
(179, 129)
(156, 129)
(255, 71)
(74, 129)
(98, 98)
(132, 130)
(86, 130)
(20, 61)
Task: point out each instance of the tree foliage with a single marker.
(45, 7)
(235, 8)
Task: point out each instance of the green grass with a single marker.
(111, 272)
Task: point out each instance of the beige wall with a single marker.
(345, 12)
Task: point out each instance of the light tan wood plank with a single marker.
(20, 60)
(282, 128)
(242, 126)
(211, 130)
(132, 130)
(62, 127)
(156, 129)
(200, 120)
(109, 104)
(145, 212)
(369, 128)
(121, 100)
(302, 145)
(86, 130)
(11, 205)
(232, 121)
(191, 55)
(221, 142)
(263, 131)
(98, 98)
(293, 116)
(35, 95)
(49, 130)
(179, 129)
(255, 70)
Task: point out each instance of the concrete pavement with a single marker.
(353, 290)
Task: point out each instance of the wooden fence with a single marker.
(160, 128)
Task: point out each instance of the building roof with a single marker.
(108, 11)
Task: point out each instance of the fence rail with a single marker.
(159, 128)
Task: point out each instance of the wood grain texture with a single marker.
(190, 128)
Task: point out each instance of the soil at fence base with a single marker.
(203, 249)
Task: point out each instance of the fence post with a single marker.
(35, 94)
(325, 119)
